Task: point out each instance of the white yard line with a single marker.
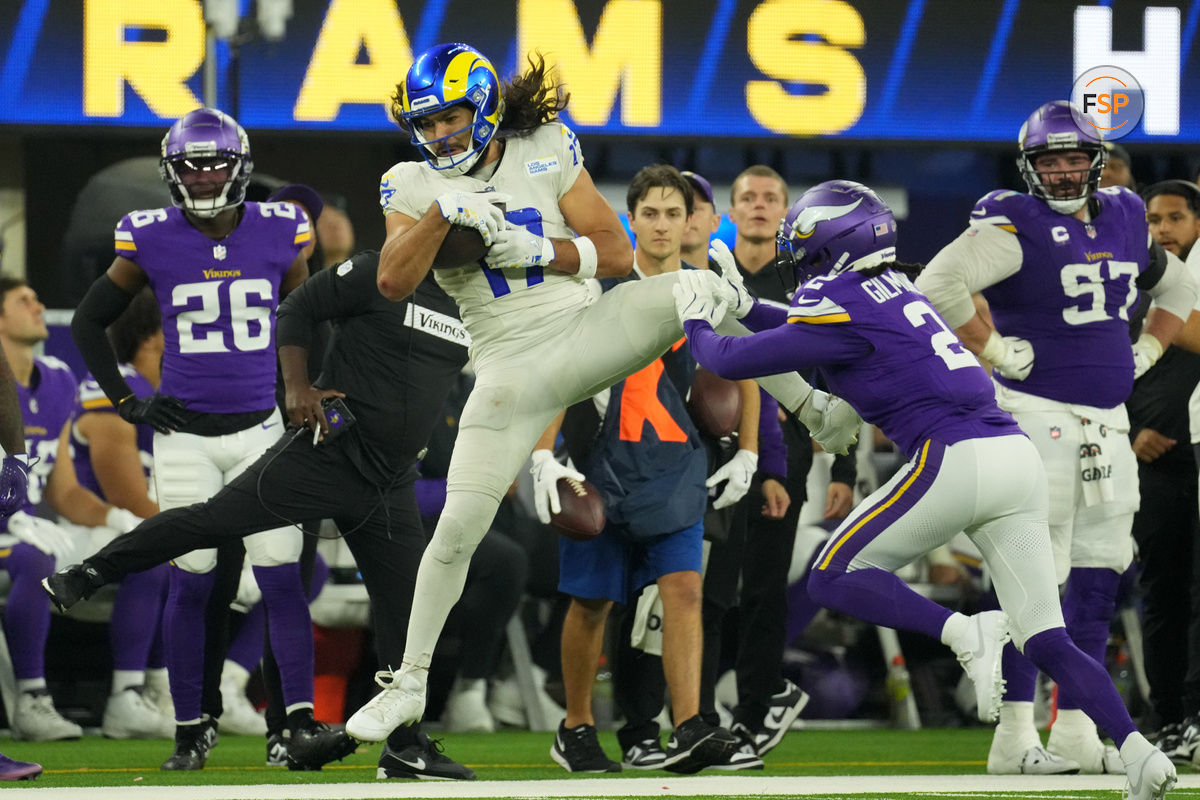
(715, 785)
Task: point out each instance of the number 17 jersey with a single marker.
(218, 300)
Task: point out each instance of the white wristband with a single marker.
(587, 258)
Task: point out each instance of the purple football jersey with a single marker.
(46, 405)
(92, 399)
(1072, 296)
(880, 346)
(218, 300)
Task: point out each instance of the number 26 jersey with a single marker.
(218, 300)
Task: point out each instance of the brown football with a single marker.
(714, 403)
(582, 515)
(461, 246)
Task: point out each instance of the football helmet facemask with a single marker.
(207, 142)
(1060, 127)
(444, 76)
(833, 227)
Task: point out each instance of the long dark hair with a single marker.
(911, 271)
(533, 98)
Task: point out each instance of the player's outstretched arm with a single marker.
(602, 249)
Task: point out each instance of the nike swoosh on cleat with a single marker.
(775, 717)
(418, 764)
(266, 426)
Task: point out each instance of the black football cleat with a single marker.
(315, 745)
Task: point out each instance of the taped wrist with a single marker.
(588, 260)
(994, 350)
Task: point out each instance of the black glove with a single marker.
(14, 484)
(160, 411)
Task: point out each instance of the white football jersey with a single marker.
(535, 171)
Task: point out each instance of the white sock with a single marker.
(123, 679)
(235, 673)
(954, 629)
(31, 684)
(1074, 718)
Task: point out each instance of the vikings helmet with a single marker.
(1060, 126)
(448, 75)
(202, 140)
(833, 227)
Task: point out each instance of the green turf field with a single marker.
(523, 756)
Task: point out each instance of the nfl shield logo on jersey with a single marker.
(1055, 432)
(219, 252)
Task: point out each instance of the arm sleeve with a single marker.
(334, 293)
(772, 452)
(845, 467)
(99, 308)
(1175, 290)
(981, 256)
(765, 315)
(787, 348)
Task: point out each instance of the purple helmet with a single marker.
(1060, 126)
(833, 227)
(206, 141)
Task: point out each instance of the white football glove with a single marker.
(833, 423)
(1010, 356)
(737, 473)
(42, 534)
(733, 290)
(694, 297)
(546, 471)
(476, 210)
(1147, 350)
(121, 519)
(517, 248)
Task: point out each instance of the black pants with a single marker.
(295, 481)
(1167, 531)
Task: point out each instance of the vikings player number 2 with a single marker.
(1086, 281)
(250, 325)
(944, 342)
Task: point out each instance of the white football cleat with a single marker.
(1150, 774)
(131, 714)
(401, 702)
(1035, 760)
(466, 708)
(979, 651)
(37, 720)
(1082, 744)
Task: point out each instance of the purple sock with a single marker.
(183, 637)
(247, 645)
(1020, 675)
(137, 617)
(291, 630)
(878, 597)
(27, 615)
(1089, 603)
(1072, 669)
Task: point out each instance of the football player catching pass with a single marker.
(498, 160)
(1060, 268)
(880, 344)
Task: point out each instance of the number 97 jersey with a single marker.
(1073, 293)
(218, 300)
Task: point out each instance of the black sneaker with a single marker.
(578, 750)
(785, 708)
(424, 760)
(1189, 739)
(315, 745)
(68, 586)
(1170, 739)
(191, 748)
(277, 750)
(695, 744)
(742, 758)
(644, 755)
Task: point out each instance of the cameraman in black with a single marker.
(392, 365)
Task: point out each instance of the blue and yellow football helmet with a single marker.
(448, 75)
